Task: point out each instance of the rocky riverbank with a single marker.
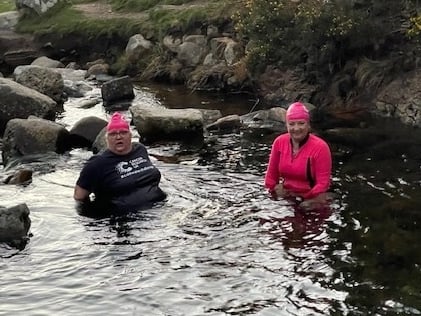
(212, 57)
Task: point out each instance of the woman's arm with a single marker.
(80, 194)
(88, 178)
(272, 174)
(272, 177)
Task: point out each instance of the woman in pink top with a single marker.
(300, 163)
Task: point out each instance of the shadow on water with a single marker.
(299, 229)
(375, 253)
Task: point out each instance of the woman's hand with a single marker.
(280, 191)
(80, 194)
(317, 202)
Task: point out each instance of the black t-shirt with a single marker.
(122, 182)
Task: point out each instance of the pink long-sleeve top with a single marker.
(307, 173)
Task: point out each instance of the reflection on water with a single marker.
(218, 245)
(300, 230)
(179, 97)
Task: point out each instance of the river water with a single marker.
(218, 245)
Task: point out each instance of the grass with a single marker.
(164, 18)
(143, 5)
(64, 19)
(7, 5)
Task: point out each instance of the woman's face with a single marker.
(119, 141)
(298, 129)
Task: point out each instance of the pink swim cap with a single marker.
(117, 122)
(297, 111)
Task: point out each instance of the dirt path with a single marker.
(103, 10)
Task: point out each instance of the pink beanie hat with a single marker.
(297, 111)
(117, 122)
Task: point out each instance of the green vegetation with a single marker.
(165, 19)
(156, 19)
(318, 36)
(142, 5)
(64, 19)
(329, 32)
(7, 5)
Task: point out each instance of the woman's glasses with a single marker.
(115, 134)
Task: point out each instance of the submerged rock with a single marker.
(14, 223)
(20, 177)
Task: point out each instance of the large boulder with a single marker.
(264, 121)
(226, 124)
(32, 136)
(98, 70)
(161, 124)
(38, 6)
(119, 89)
(197, 39)
(280, 86)
(172, 43)
(18, 101)
(233, 52)
(190, 54)
(44, 61)
(22, 56)
(100, 142)
(401, 99)
(86, 130)
(14, 223)
(8, 20)
(74, 81)
(16, 49)
(137, 47)
(74, 75)
(42, 79)
(76, 89)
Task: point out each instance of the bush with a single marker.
(319, 33)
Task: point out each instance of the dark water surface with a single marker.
(218, 245)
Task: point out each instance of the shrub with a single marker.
(319, 33)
